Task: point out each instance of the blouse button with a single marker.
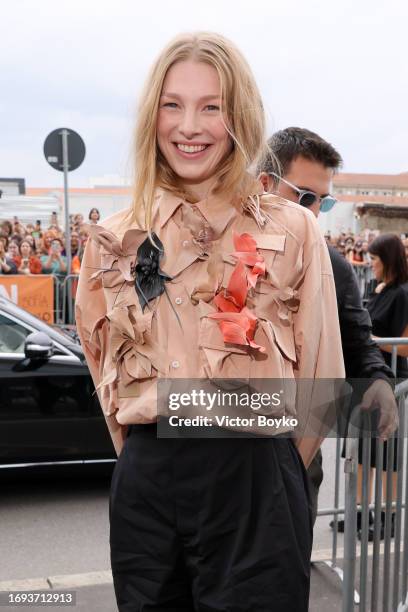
(175, 364)
(185, 243)
(178, 300)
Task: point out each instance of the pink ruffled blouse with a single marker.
(252, 296)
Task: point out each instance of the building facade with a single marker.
(365, 201)
(380, 201)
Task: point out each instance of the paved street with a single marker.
(59, 528)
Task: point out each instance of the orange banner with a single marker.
(34, 292)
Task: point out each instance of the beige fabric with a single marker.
(295, 302)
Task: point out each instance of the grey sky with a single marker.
(336, 68)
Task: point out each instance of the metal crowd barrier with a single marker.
(391, 593)
(393, 596)
(64, 298)
(63, 307)
(58, 314)
(69, 287)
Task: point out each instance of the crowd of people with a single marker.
(355, 248)
(33, 249)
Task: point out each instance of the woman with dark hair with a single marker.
(26, 261)
(54, 262)
(94, 215)
(388, 308)
(388, 305)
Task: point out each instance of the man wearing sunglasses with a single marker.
(307, 166)
(306, 197)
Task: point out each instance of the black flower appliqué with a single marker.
(149, 278)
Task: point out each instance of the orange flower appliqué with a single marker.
(236, 321)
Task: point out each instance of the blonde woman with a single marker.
(203, 277)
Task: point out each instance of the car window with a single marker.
(12, 336)
(54, 331)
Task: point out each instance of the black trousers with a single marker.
(210, 525)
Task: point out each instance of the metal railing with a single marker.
(69, 287)
(58, 299)
(392, 589)
(64, 298)
(393, 596)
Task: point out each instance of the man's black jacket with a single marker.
(362, 357)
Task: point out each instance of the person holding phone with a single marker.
(45, 242)
(54, 226)
(54, 262)
(37, 233)
(26, 261)
(205, 277)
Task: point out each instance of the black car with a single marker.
(49, 413)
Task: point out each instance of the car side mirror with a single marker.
(38, 346)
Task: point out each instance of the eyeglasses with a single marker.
(308, 198)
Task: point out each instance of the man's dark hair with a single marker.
(286, 145)
(389, 248)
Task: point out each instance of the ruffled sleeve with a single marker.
(318, 346)
(90, 313)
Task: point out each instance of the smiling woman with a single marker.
(191, 129)
(216, 93)
(203, 277)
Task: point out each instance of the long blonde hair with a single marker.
(241, 103)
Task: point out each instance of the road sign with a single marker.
(64, 150)
(53, 149)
